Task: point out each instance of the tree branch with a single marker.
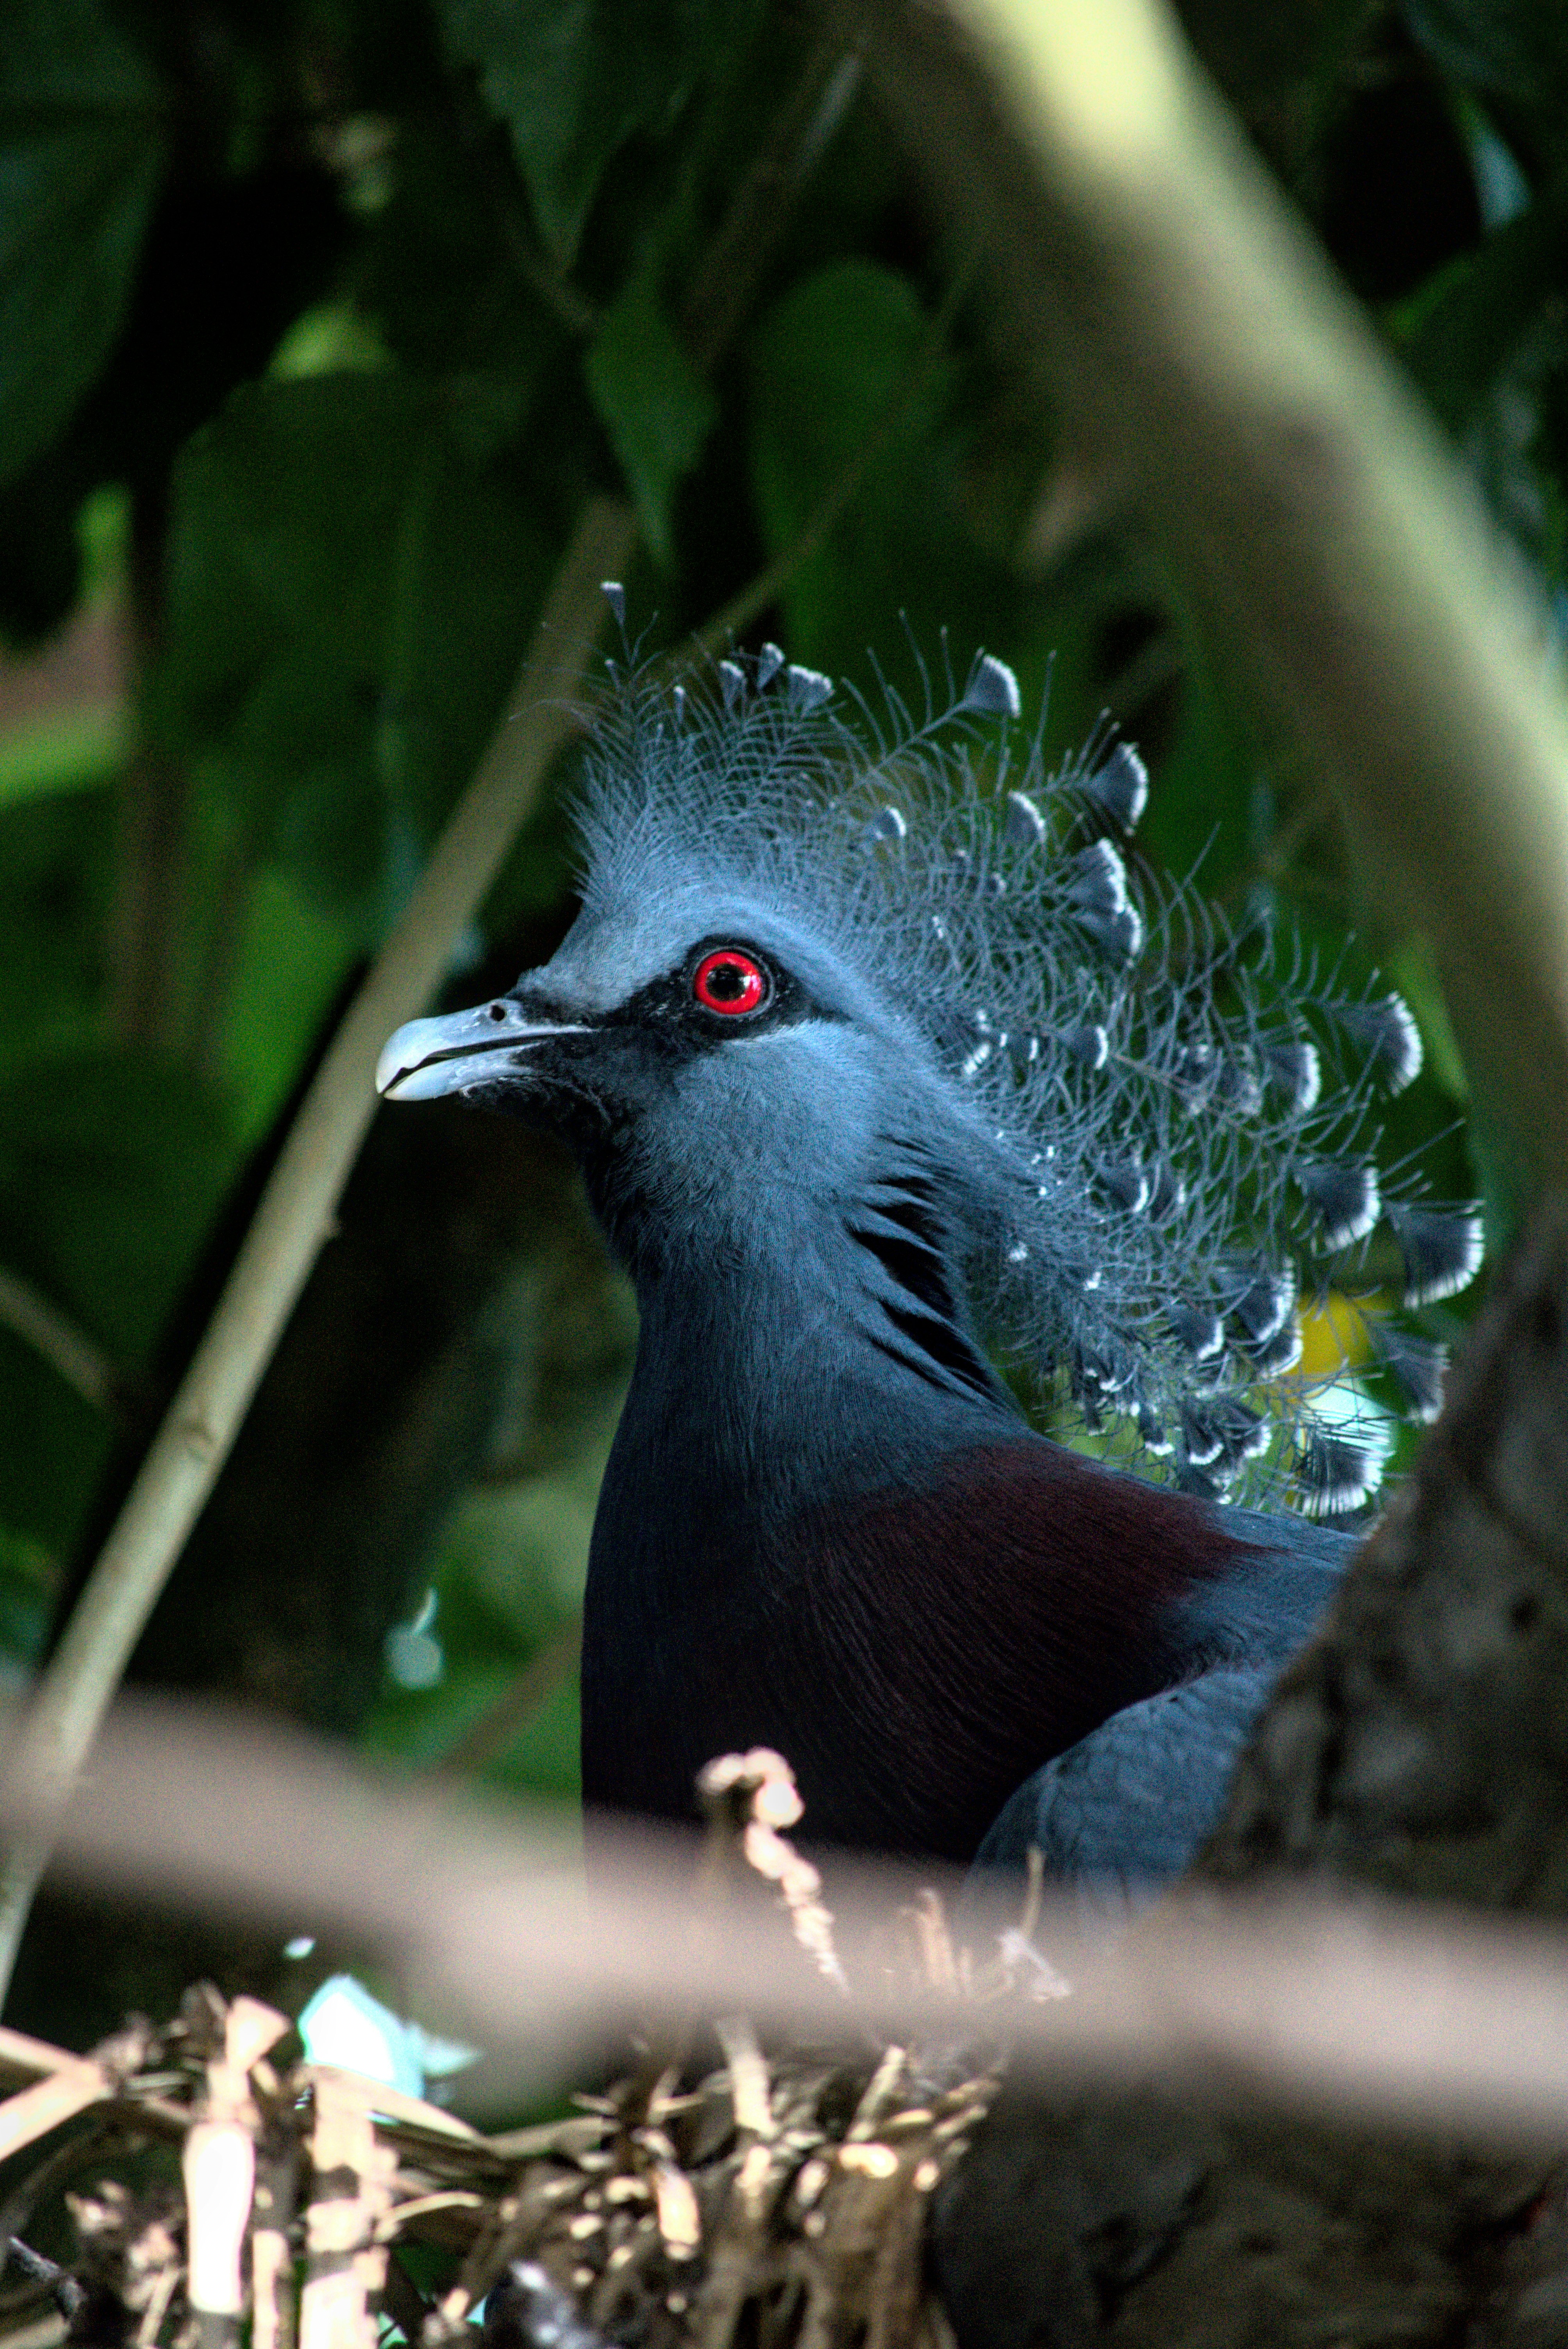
(1311, 2003)
(1154, 282)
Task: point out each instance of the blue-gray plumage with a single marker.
(1124, 1808)
(874, 1065)
(1128, 1806)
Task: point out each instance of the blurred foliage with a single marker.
(318, 321)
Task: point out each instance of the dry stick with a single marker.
(763, 207)
(295, 1210)
(1153, 278)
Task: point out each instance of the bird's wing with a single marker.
(1123, 1813)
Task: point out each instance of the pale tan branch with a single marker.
(1329, 2006)
(52, 1335)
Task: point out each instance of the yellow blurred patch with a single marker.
(1334, 1336)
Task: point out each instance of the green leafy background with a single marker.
(317, 322)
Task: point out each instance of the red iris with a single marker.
(730, 982)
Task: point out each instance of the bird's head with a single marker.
(728, 1071)
(828, 977)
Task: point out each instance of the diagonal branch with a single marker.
(1153, 280)
(1318, 2004)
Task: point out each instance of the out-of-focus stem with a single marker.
(1153, 280)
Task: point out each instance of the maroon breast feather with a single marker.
(959, 1637)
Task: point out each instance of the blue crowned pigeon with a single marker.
(900, 1094)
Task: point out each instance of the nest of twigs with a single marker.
(780, 2200)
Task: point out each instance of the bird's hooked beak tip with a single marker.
(460, 1052)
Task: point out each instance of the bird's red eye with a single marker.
(730, 982)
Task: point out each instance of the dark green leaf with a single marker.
(54, 1452)
(286, 508)
(1456, 335)
(508, 1579)
(351, 582)
(81, 155)
(291, 960)
(110, 1170)
(437, 276)
(28, 1585)
(572, 80)
(55, 864)
(1515, 48)
(855, 396)
(652, 402)
(1203, 813)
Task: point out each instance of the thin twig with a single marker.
(737, 615)
(152, 850)
(61, 2284)
(221, 954)
(297, 1207)
(490, 151)
(150, 871)
(504, 1721)
(28, 1313)
(762, 207)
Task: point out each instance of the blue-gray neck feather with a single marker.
(797, 1340)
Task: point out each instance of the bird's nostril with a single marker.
(498, 1012)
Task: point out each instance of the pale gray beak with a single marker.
(462, 1050)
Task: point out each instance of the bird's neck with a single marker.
(773, 1377)
(802, 1325)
